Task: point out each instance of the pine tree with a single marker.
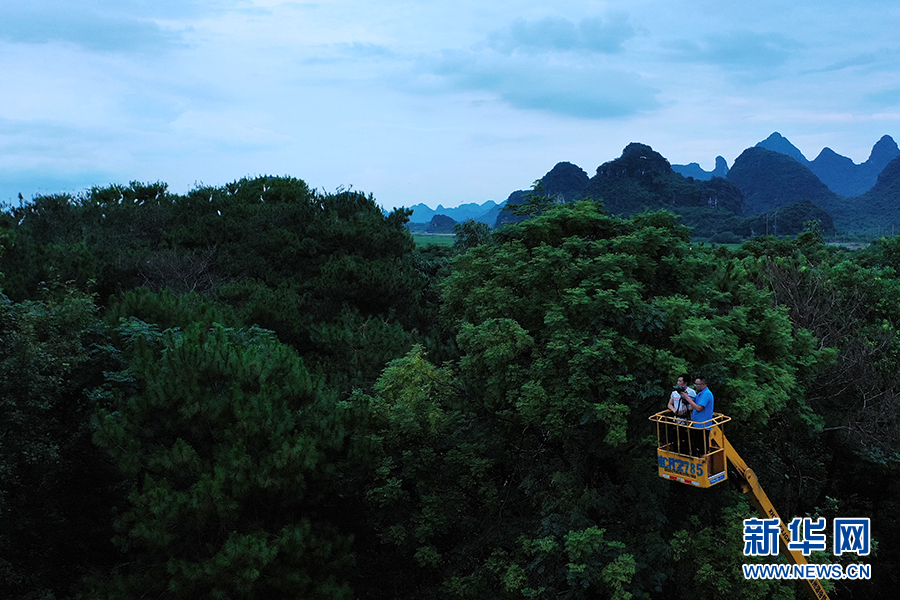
(228, 444)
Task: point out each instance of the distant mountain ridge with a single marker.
(839, 173)
(486, 212)
(765, 191)
(771, 187)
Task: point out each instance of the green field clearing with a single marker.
(441, 239)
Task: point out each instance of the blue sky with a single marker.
(434, 102)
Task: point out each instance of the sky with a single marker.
(433, 102)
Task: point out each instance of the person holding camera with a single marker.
(682, 412)
(678, 406)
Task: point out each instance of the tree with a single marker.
(229, 447)
(470, 233)
(56, 488)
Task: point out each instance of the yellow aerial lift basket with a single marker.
(691, 453)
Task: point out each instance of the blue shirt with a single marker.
(704, 399)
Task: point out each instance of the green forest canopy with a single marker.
(262, 391)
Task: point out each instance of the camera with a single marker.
(679, 388)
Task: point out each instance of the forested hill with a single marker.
(259, 391)
(761, 181)
(771, 179)
(641, 178)
(884, 198)
(638, 180)
(565, 182)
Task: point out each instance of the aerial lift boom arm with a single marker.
(749, 484)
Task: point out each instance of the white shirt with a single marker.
(677, 401)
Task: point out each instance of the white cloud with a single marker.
(549, 34)
(582, 90)
(87, 25)
(741, 50)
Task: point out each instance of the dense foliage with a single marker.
(229, 448)
(329, 273)
(56, 491)
(262, 391)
